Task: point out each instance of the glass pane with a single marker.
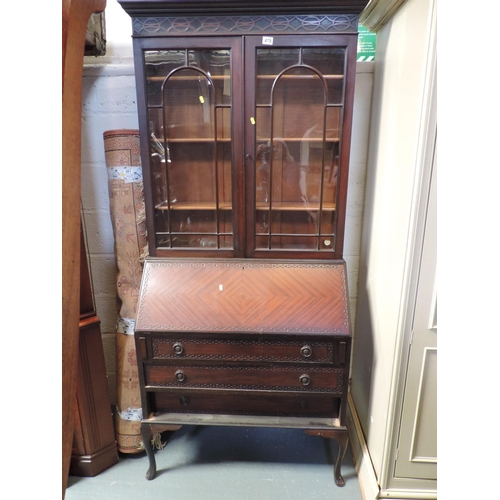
(263, 123)
(216, 64)
(224, 177)
(330, 178)
(196, 241)
(188, 103)
(262, 181)
(333, 116)
(330, 62)
(327, 223)
(270, 63)
(161, 225)
(298, 133)
(159, 158)
(190, 221)
(224, 124)
(189, 112)
(261, 242)
(158, 65)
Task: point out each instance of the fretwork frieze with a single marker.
(175, 26)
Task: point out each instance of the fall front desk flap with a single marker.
(244, 295)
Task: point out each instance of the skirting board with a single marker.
(370, 489)
(407, 495)
(364, 467)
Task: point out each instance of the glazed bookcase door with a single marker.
(299, 93)
(192, 94)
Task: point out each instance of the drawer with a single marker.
(282, 378)
(218, 402)
(276, 349)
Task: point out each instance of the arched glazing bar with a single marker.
(213, 106)
(299, 66)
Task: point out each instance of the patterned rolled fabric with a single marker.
(126, 197)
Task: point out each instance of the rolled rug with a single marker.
(126, 197)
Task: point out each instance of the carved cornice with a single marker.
(161, 8)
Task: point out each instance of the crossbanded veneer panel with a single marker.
(243, 296)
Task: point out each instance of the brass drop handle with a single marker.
(177, 348)
(305, 379)
(180, 376)
(306, 351)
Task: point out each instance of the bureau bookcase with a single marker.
(245, 112)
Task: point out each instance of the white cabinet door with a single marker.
(417, 448)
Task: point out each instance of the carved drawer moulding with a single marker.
(157, 343)
(337, 373)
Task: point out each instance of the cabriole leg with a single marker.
(146, 439)
(342, 438)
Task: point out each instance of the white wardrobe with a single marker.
(393, 399)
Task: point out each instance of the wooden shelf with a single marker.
(288, 206)
(284, 206)
(193, 205)
(244, 420)
(260, 139)
(300, 77)
(194, 139)
(259, 77)
(187, 78)
(299, 139)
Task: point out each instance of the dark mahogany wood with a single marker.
(264, 403)
(342, 438)
(257, 333)
(349, 42)
(244, 295)
(75, 16)
(244, 338)
(243, 159)
(224, 347)
(94, 445)
(284, 378)
(146, 439)
(199, 7)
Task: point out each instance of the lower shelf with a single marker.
(324, 427)
(245, 421)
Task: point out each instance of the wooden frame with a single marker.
(75, 15)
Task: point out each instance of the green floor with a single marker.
(227, 463)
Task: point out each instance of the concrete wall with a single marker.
(109, 102)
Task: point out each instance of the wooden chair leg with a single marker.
(342, 438)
